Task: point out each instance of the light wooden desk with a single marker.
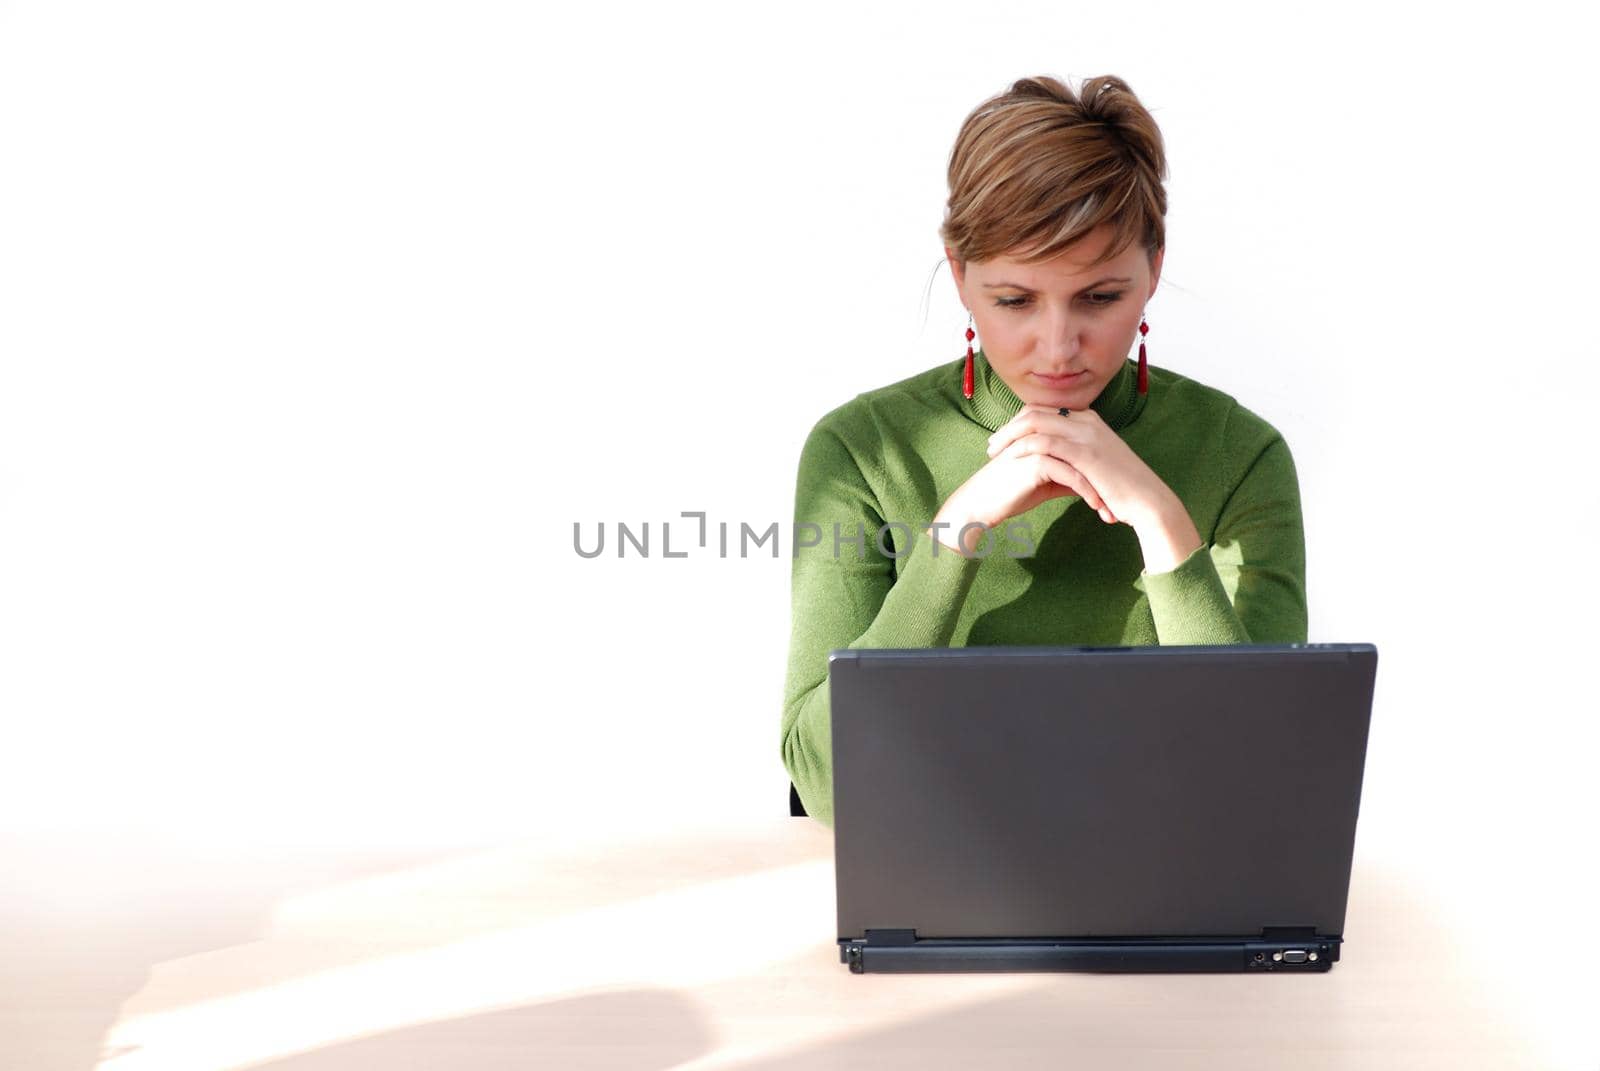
(695, 950)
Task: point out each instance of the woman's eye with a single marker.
(1096, 299)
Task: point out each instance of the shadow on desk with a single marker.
(714, 948)
(85, 917)
(664, 1030)
(133, 957)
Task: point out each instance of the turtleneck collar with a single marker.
(993, 403)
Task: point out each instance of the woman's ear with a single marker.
(957, 269)
(1155, 271)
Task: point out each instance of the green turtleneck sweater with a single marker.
(883, 463)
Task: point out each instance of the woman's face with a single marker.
(1056, 331)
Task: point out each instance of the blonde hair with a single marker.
(1037, 167)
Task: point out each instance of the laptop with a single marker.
(1183, 808)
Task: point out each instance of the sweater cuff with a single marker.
(1190, 605)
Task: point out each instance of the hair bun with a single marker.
(1042, 87)
(1107, 99)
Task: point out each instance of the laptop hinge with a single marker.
(1288, 933)
(850, 951)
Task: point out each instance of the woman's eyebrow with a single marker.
(1091, 286)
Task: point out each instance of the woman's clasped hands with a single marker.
(1041, 454)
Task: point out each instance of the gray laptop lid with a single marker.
(1026, 792)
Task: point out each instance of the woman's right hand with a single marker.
(1007, 487)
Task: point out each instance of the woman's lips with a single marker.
(1059, 381)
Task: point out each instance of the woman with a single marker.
(1075, 496)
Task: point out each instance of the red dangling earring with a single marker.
(1144, 371)
(966, 374)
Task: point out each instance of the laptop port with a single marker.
(1294, 955)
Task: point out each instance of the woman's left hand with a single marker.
(1133, 493)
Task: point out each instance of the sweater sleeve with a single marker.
(1248, 584)
(847, 595)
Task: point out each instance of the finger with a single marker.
(1046, 491)
(1086, 490)
(1040, 443)
(1031, 420)
(1061, 449)
(1055, 411)
(1011, 430)
(1067, 476)
(1003, 438)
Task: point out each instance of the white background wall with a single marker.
(322, 323)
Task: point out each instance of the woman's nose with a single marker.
(1061, 335)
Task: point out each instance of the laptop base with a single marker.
(902, 952)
